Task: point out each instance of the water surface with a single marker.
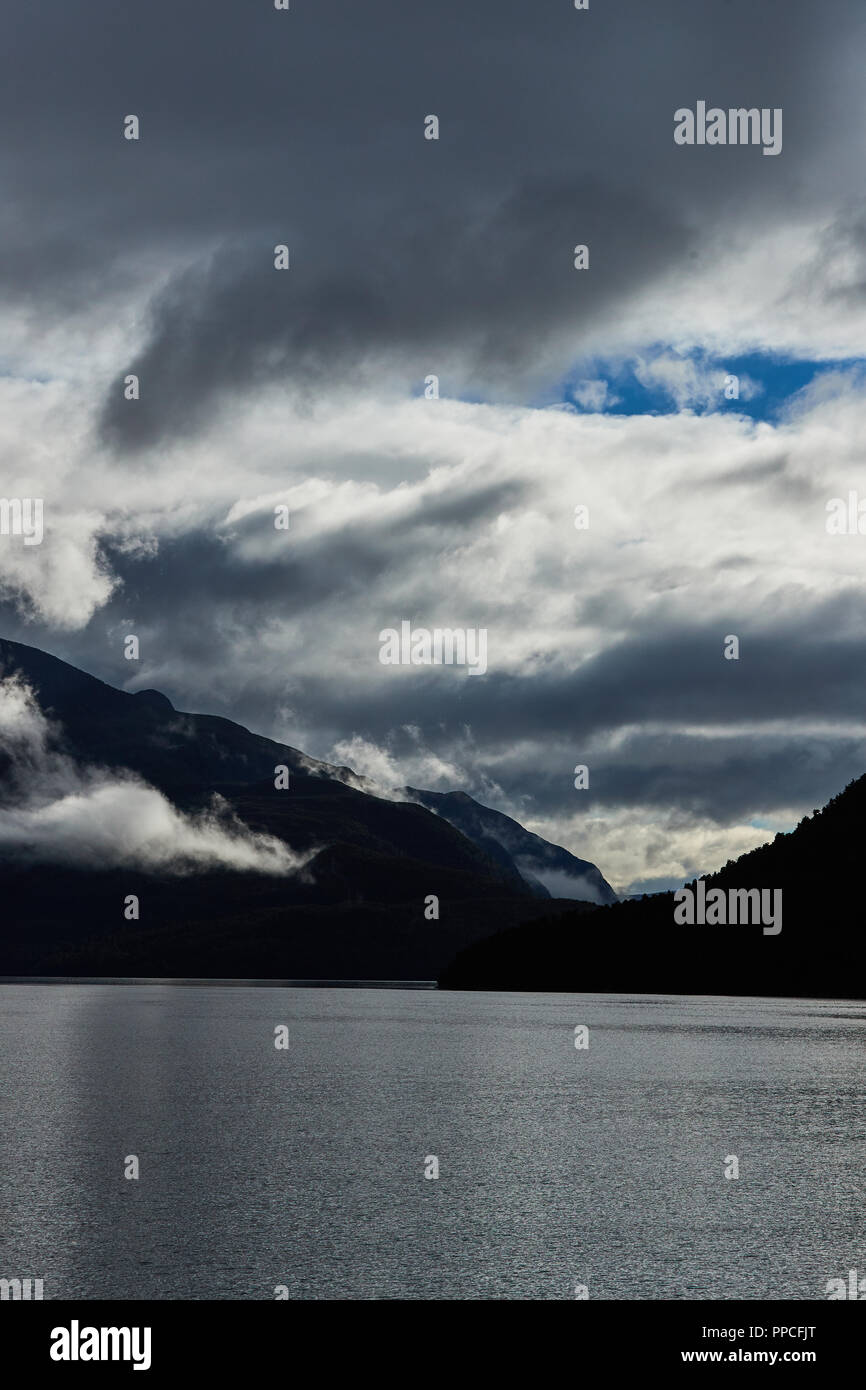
(305, 1167)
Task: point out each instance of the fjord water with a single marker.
(305, 1167)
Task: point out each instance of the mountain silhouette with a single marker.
(358, 907)
(637, 945)
(544, 866)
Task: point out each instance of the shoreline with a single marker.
(226, 983)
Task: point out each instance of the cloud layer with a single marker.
(453, 258)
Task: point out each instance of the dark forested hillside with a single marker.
(637, 945)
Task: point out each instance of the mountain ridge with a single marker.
(534, 857)
(377, 857)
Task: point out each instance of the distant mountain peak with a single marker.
(550, 870)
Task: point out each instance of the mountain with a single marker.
(73, 800)
(637, 946)
(549, 870)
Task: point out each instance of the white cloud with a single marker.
(691, 383)
(594, 395)
(562, 885)
(631, 846)
(89, 817)
(712, 515)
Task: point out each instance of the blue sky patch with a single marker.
(661, 381)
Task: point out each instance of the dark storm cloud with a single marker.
(260, 127)
(201, 570)
(703, 733)
(489, 295)
(799, 670)
(710, 778)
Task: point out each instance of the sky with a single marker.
(602, 388)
